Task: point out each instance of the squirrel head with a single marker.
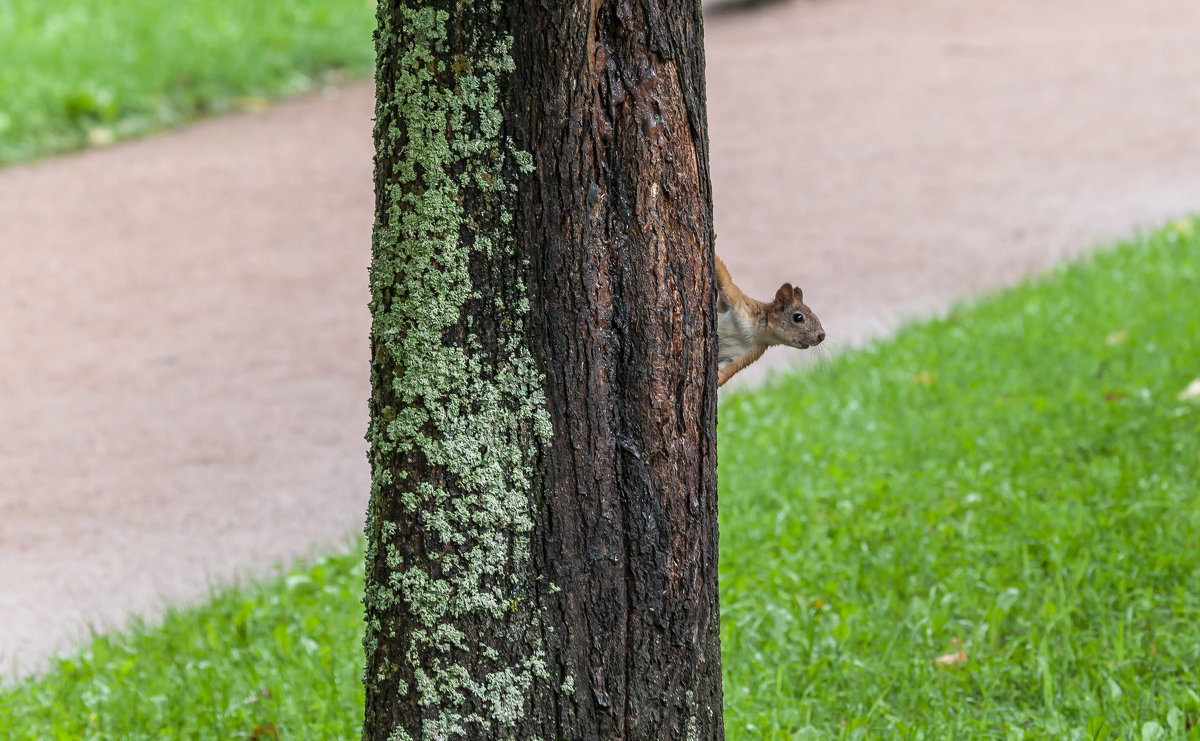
(791, 322)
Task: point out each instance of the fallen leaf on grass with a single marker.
(266, 732)
(1192, 392)
(952, 661)
(1112, 396)
(925, 378)
(1116, 338)
(955, 659)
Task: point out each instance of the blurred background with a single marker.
(185, 216)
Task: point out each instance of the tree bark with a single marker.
(542, 535)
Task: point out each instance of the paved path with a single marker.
(183, 335)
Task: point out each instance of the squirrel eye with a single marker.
(798, 318)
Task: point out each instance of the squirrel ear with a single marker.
(783, 296)
(799, 295)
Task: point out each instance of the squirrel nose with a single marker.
(820, 336)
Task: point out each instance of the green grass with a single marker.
(74, 70)
(1019, 479)
(279, 659)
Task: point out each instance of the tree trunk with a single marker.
(542, 535)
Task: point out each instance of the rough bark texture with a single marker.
(542, 537)
(619, 234)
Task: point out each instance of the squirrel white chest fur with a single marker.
(737, 336)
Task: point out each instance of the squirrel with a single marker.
(746, 327)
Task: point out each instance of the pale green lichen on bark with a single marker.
(474, 417)
(691, 725)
